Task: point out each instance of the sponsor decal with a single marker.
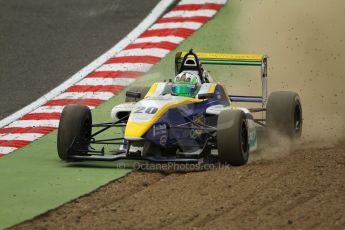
(198, 120)
(159, 129)
(163, 140)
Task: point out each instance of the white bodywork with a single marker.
(146, 105)
(125, 107)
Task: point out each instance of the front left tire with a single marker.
(74, 132)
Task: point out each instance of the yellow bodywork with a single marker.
(152, 90)
(138, 129)
(212, 88)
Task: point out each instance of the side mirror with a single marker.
(204, 96)
(132, 94)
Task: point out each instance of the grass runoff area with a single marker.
(34, 180)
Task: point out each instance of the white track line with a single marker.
(53, 109)
(106, 81)
(20, 136)
(5, 150)
(172, 39)
(156, 52)
(89, 95)
(190, 13)
(49, 109)
(173, 25)
(183, 2)
(34, 123)
(141, 67)
(142, 27)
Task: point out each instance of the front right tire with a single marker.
(232, 137)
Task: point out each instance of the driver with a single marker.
(186, 84)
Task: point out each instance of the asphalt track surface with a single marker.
(44, 42)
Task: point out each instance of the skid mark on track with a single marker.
(232, 206)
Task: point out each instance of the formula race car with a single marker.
(183, 120)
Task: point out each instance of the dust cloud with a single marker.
(305, 42)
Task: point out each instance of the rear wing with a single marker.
(225, 59)
(232, 59)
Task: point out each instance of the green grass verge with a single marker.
(34, 180)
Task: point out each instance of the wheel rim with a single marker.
(297, 119)
(244, 138)
(85, 132)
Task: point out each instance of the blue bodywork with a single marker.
(177, 126)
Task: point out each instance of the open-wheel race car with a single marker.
(183, 120)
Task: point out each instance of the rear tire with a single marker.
(232, 137)
(284, 113)
(143, 90)
(75, 125)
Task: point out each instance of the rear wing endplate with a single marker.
(233, 59)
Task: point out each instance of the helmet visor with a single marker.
(184, 89)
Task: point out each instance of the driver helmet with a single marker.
(186, 84)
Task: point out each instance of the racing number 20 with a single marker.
(149, 110)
